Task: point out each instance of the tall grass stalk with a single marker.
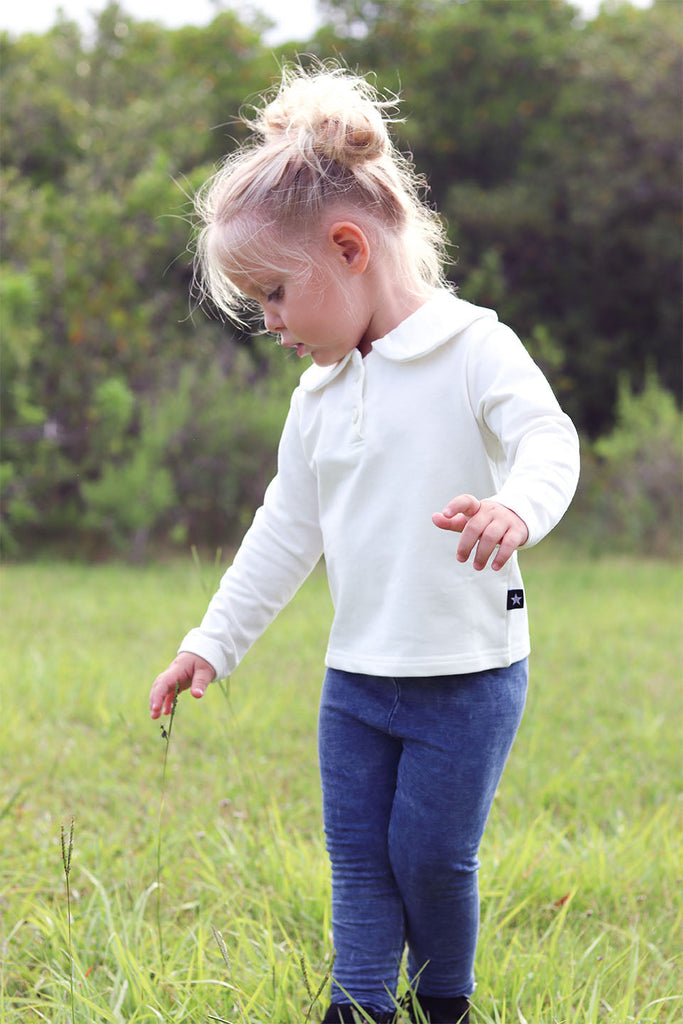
(220, 942)
(166, 737)
(208, 581)
(321, 987)
(67, 850)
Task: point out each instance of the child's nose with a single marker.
(272, 320)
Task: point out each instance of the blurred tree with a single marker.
(588, 229)
(606, 173)
(96, 205)
(552, 147)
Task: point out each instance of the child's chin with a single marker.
(323, 358)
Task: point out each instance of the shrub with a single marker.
(631, 490)
(203, 452)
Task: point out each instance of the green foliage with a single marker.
(200, 458)
(631, 494)
(128, 499)
(552, 147)
(96, 276)
(223, 445)
(642, 463)
(133, 491)
(20, 338)
(646, 423)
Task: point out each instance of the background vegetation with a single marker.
(581, 915)
(552, 148)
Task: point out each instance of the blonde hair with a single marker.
(322, 142)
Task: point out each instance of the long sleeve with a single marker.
(278, 552)
(520, 417)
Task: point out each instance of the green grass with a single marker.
(581, 876)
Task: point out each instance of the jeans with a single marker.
(409, 769)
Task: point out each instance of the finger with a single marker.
(169, 700)
(513, 539)
(475, 536)
(156, 697)
(473, 533)
(467, 504)
(163, 692)
(457, 524)
(173, 691)
(486, 546)
(503, 555)
(158, 701)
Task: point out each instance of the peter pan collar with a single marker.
(432, 325)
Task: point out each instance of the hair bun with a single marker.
(328, 115)
(320, 146)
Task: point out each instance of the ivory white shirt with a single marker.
(448, 403)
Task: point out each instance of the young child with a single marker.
(414, 396)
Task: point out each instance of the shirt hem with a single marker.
(426, 667)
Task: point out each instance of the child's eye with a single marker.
(277, 295)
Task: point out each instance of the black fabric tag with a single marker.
(515, 599)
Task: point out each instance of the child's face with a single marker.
(324, 316)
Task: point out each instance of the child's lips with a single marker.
(298, 345)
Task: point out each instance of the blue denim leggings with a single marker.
(409, 769)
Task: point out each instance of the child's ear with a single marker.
(350, 244)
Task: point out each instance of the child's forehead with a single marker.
(259, 248)
(256, 283)
(256, 269)
(252, 260)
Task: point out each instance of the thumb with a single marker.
(203, 675)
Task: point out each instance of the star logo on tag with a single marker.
(515, 599)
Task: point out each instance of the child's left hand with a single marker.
(486, 524)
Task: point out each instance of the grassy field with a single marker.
(581, 875)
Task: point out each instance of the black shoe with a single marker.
(455, 1010)
(343, 1013)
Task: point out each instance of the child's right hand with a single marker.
(189, 671)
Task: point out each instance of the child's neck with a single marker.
(391, 306)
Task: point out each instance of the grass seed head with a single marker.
(67, 848)
(221, 945)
